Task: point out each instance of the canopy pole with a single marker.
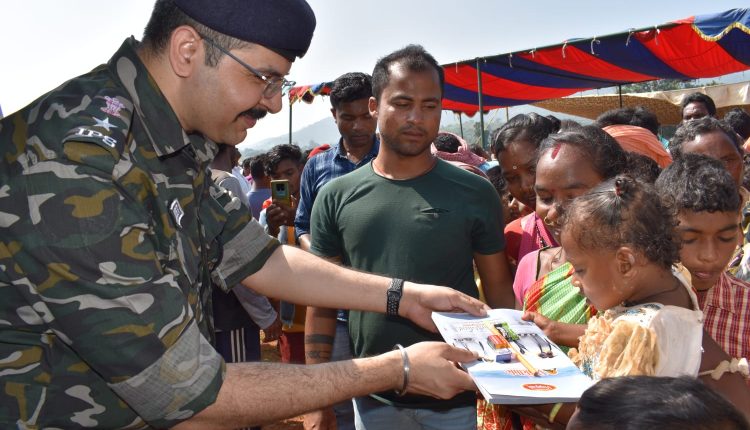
(481, 104)
(619, 91)
(461, 124)
(290, 122)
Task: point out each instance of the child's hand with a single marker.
(560, 333)
(542, 322)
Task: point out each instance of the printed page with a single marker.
(538, 371)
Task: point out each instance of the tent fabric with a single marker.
(307, 93)
(665, 104)
(696, 47)
(702, 46)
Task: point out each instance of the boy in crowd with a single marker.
(707, 203)
(286, 162)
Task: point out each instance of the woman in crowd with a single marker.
(515, 146)
(569, 165)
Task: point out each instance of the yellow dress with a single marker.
(647, 339)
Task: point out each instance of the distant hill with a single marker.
(315, 134)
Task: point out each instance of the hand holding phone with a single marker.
(280, 194)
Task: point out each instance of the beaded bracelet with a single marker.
(405, 359)
(554, 411)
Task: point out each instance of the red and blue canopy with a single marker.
(697, 47)
(307, 93)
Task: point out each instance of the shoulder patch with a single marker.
(104, 122)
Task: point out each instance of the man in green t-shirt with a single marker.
(411, 216)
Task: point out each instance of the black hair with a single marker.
(166, 17)
(698, 183)
(350, 87)
(707, 101)
(739, 120)
(413, 57)
(447, 142)
(690, 130)
(606, 155)
(638, 116)
(247, 162)
(568, 125)
(624, 212)
(648, 402)
(477, 149)
(279, 153)
(556, 123)
(496, 177)
(642, 167)
(531, 127)
(258, 166)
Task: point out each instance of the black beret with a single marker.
(283, 26)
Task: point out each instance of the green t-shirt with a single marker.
(423, 230)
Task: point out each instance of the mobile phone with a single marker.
(280, 192)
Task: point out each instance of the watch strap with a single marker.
(393, 297)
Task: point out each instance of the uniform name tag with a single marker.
(177, 212)
(85, 132)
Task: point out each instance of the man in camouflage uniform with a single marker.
(111, 234)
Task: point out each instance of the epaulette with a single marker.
(105, 121)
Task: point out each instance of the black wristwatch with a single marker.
(394, 297)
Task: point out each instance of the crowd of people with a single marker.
(671, 215)
(141, 258)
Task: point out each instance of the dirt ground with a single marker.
(269, 352)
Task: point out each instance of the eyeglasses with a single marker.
(274, 84)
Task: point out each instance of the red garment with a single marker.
(266, 203)
(513, 234)
(292, 347)
(322, 148)
(726, 309)
(526, 235)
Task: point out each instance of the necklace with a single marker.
(542, 243)
(556, 258)
(629, 303)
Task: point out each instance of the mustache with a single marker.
(256, 113)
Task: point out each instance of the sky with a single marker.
(43, 43)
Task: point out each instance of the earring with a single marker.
(547, 221)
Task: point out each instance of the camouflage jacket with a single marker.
(111, 234)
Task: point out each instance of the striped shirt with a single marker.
(726, 307)
(320, 170)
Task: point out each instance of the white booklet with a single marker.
(519, 365)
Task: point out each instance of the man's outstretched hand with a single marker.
(419, 301)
